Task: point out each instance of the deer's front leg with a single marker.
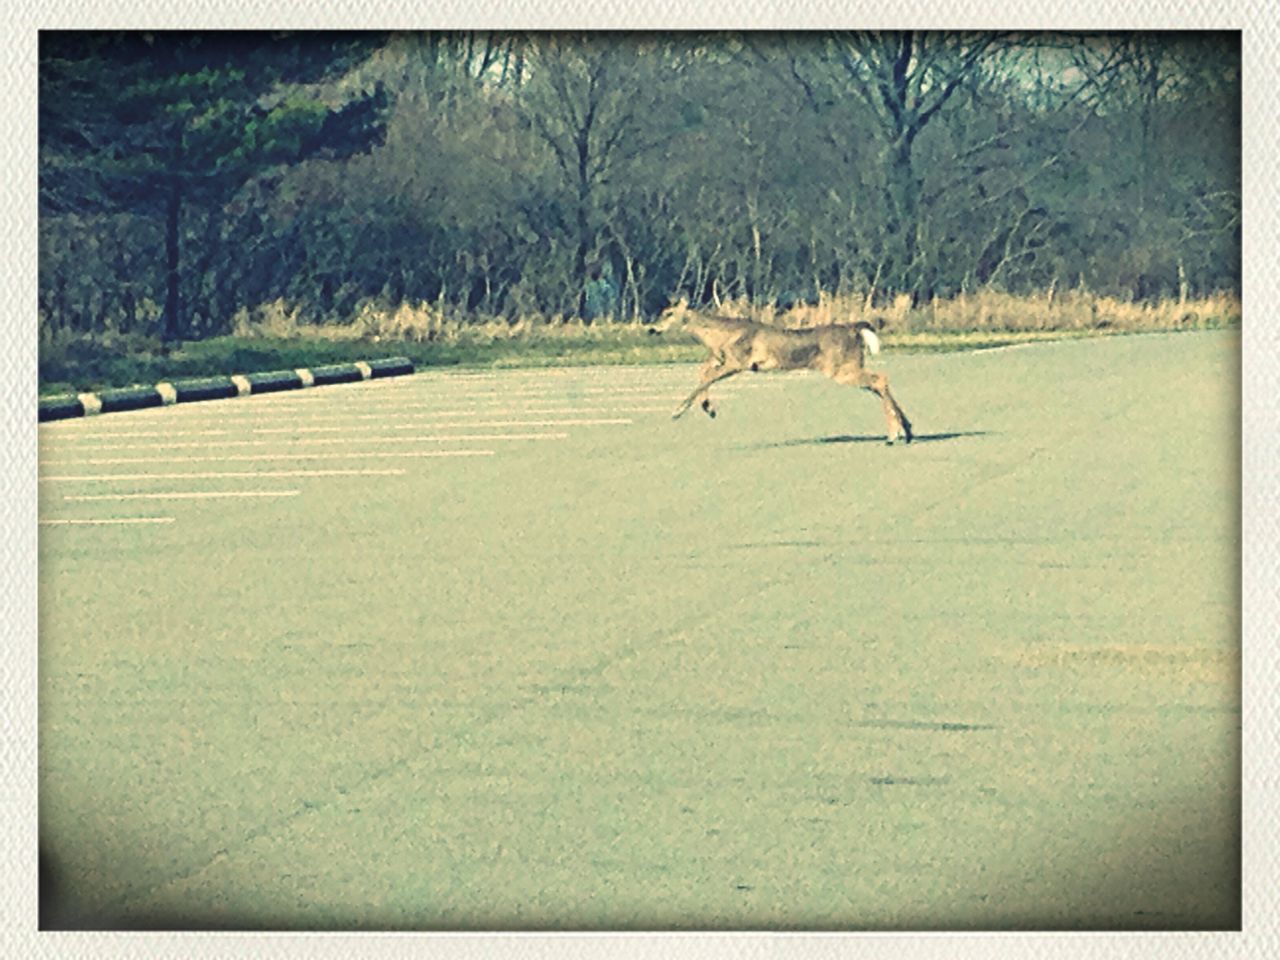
(712, 372)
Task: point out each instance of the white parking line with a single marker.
(447, 424)
(314, 398)
(437, 424)
(404, 405)
(479, 409)
(544, 374)
(457, 386)
(183, 495)
(441, 406)
(601, 370)
(104, 437)
(232, 475)
(51, 523)
(195, 417)
(1003, 347)
(320, 399)
(330, 441)
(257, 457)
(564, 392)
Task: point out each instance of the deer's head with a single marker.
(673, 316)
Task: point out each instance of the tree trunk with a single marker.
(585, 239)
(904, 240)
(172, 325)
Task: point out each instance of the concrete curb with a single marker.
(219, 388)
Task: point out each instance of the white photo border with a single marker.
(1260, 468)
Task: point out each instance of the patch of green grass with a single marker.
(72, 371)
(89, 364)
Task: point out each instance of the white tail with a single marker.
(870, 339)
(738, 345)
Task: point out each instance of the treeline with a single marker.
(186, 177)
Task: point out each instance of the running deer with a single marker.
(736, 345)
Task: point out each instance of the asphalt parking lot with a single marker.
(514, 650)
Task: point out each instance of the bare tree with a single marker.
(902, 81)
(598, 104)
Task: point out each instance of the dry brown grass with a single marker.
(993, 312)
(421, 323)
(975, 316)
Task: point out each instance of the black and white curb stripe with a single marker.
(218, 388)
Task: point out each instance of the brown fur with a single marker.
(736, 345)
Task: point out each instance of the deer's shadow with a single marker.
(876, 438)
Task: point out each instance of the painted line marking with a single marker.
(589, 372)
(1007, 346)
(565, 391)
(438, 386)
(188, 418)
(549, 373)
(259, 457)
(233, 475)
(113, 520)
(446, 424)
(480, 405)
(183, 495)
(459, 384)
(276, 404)
(331, 441)
(443, 424)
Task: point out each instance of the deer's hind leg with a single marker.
(899, 427)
